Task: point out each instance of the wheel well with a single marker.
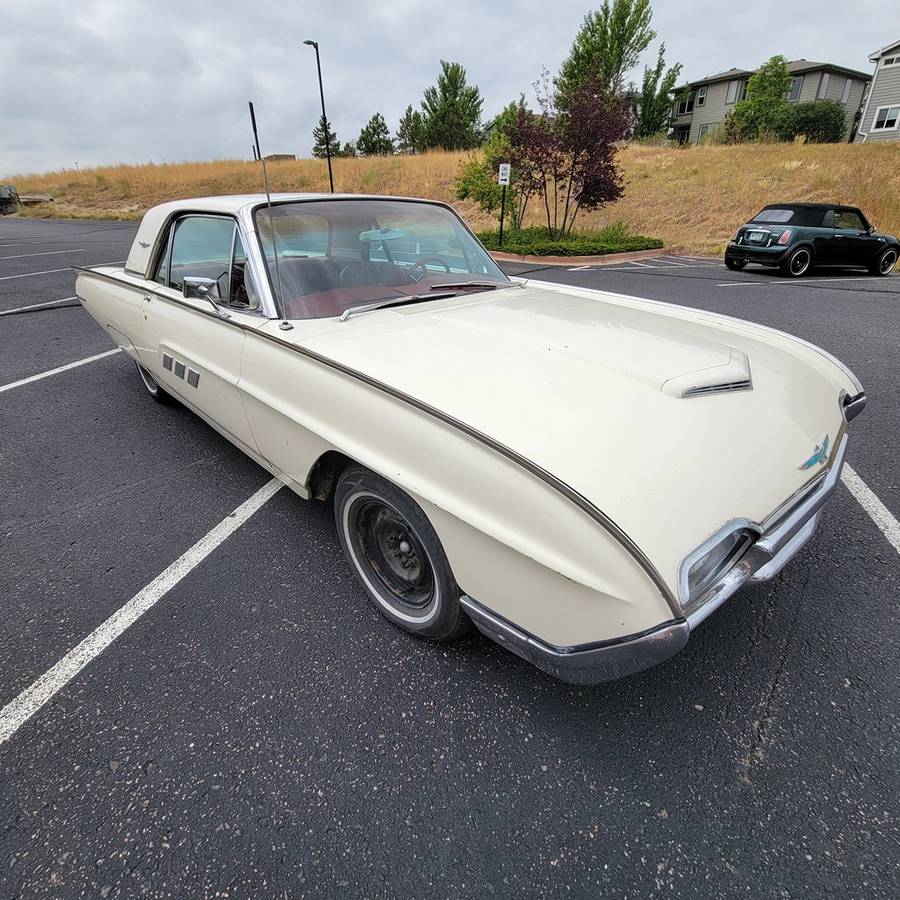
(325, 472)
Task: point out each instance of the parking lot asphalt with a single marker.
(262, 731)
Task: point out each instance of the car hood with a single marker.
(614, 396)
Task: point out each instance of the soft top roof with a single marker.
(809, 214)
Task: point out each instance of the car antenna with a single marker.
(284, 325)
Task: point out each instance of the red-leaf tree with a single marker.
(567, 157)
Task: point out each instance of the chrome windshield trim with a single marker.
(584, 663)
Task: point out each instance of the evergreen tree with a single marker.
(375, 139)
(654, 101)
(319, 139)
(410, 138)
(607, 46)
(451, 111)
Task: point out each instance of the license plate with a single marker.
(758, 237)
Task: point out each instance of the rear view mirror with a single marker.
(196, 287)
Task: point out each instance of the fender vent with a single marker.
(724, 388)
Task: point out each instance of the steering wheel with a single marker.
(422, 264)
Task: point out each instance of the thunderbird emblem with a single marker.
(818, 456)
(144, 245)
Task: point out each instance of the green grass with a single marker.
(536, 241)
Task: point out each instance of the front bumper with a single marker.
(780, 538)
(766, 256)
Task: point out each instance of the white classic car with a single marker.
(584, 476)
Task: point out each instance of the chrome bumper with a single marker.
(780, 539)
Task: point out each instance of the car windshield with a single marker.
(331, 255)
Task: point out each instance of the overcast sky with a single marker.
(105, 81)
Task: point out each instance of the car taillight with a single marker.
(785, 236)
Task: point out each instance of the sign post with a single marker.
(503, 180)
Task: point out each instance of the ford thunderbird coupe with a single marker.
(795, 237)
(584, 476)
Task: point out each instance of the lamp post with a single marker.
(315, 46)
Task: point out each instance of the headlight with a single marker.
(709, 564)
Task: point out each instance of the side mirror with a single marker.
(871, 229)
(197, 287)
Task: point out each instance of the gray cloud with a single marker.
(104, 81)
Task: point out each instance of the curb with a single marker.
(606, 259)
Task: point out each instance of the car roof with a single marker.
(811, 206)
(155, 219)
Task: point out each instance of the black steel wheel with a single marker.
(151, 385)
(885, 263)
(397, 557)
(798, 263)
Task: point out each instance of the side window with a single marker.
(847, 218)
(202, 246)
(243, 294)
(828, 220)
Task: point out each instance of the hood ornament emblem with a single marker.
(818, 456)
(144, 244)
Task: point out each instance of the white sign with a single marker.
(503, 177)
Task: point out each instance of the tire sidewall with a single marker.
(443, 618)
(879, 265)
(789, 262)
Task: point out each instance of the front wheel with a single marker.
(885, 263)
(397, 557)
(797, 263)
(736, 264)
(151, 385)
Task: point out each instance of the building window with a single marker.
(736, 91)
(703, 132)
(701, 96)
(845, 94)
(890, 61)
(886, 118)
(823, 86)
(796, 86)
(685, 104)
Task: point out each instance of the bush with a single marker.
(820, 122)
(537, 241)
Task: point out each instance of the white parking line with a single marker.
(56, 371)
(9, 312)
(18, 711)
(795, 281)
(29, 274)
(877, 511)
(43, 253)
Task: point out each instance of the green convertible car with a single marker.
(794, 237)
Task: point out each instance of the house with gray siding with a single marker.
(881, 114)
(701, 106)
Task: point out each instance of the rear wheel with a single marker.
(735, 264)
(885, 263)
(397, 557)
(797, 263)
(151, 385)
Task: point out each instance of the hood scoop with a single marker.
(725, 379)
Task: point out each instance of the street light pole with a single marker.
(315, 46)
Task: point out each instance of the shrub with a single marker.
(820, 122)
(537, 241)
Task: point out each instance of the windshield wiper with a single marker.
(466, 284)
(386, 302)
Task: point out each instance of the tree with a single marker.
(606, 47)
(819, 122)
(567, 155)
(319, 139)
(375, 139)
(654, 102)
(410, 137)
(451, 111)
(477, 178)
(349, 149)
(760, 114)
